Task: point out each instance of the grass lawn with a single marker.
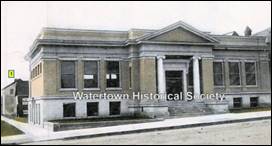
(8, 130)
(255, 109)
(21, 119)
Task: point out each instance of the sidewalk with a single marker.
(38, 134)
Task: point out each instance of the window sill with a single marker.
(235, 86)
(69, 118)
(93, 116)
(251, 86)
(114, 88)
(68, 89)
(113, 116)
(91, 89)
(215, 86)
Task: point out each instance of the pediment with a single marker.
(179, 32)
(179, 35)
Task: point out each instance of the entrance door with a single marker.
(174, 82)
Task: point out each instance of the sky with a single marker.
(22, 21)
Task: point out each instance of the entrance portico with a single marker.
(167, 65)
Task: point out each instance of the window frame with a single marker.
(256, 80)
(257, 104)
(97, 109)
(60, 74)
(239, 66)
(223, 73)
(11, 91)
(98, 75)
(120, 74)
(233, 103)
(120, 108)
(67, 117)
(130, 76)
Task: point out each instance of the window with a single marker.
(234, 73)
(130, 77)
(190, 74)
(113, 75)
(92, 109)
(250, 69)
(115, 108)
(237, 102)
(90, 74)
(67, 74)
(11, 91)
(34, 72)
(40, 67)
(218, 73)
(254, 101)
(69, 110)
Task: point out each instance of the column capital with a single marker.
(160, 57)
(196, 57)
(207, 57)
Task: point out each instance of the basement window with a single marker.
(254, 101)
(237, 102)
(115, 108)
(92, 109)
(69, 110)
(113, 74)
(90, 74)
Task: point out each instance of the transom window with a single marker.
(250, 69)
(113, 74)
(234, 73)
(90, 74)
(67, 74)
(218, 73)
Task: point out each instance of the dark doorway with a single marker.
(174, 83)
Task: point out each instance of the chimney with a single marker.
(248, 31)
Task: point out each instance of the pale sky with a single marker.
(22, 21)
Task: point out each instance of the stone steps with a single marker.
(184, 109)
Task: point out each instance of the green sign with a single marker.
(11, 73)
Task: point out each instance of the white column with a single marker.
(184, 83)
(196, 76)
(161, 75)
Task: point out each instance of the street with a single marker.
(249, 133)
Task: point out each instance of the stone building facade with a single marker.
(177, 58)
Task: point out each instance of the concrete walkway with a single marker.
(38, 134)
